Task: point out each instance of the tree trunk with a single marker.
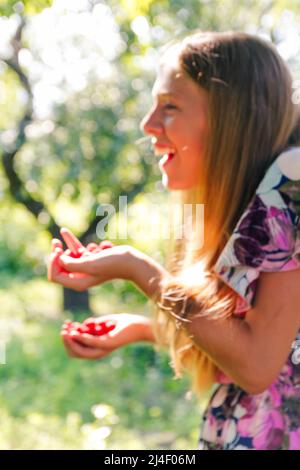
(76, 301)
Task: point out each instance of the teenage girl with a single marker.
(228, 308)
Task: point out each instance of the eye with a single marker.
(169, 106)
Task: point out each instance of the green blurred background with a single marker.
(75, 81)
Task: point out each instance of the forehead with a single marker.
(169, 76)
(173, 81)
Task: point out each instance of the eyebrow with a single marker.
(165, 95)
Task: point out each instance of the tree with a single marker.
(83, 155)
(10, 7)
(90, 153)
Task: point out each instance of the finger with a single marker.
(73, 348)
(92, 246)
(80, 252)
(68, 338)
(67, 343)
(84, 265)
(80, 351)
(72, 282)
(66, 328)
(87, 340)
(56, 243)
(89, 319)
(54, 265)
(105, 244)
(58, 274)
(71, 241)
(111, 318)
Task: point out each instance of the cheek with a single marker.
(191, 155)
(171, 124)
(191, 168)
(199, 145)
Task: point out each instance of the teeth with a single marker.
(164, 151)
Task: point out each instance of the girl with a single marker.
(229, 308)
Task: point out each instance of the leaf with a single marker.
(135, 8)
(31, 7)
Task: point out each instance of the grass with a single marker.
(128, 400)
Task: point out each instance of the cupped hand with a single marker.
(57, 272)
(128, 328)
(92, 265)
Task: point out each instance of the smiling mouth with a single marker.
(166, 158)
(170, 156)
(165, 153)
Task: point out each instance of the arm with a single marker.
(251, 351)
(146, 273)
(145, 327)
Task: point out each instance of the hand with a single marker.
(129, 328)
(57, 273)
(90, 267)
(80, 268)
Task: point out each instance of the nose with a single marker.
(151, 124)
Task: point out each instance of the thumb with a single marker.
(78, 265)
(56, 244)
(53, 265)
(86, 339)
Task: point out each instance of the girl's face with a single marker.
(177, 123)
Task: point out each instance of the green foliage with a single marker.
(10, 95)
(9, 7)
(82, 155)
(53, 397)
(85, 153)
(23, 245)
(134, 8)
(86, 159)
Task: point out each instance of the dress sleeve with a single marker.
(267, 236)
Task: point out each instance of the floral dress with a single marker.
(266, 239)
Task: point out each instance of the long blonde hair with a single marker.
(251, 120)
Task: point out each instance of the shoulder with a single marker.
(267, 236)
(280, 187)
(289, 163)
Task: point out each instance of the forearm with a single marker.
(146, 331)
(147, 274)
(230, 344)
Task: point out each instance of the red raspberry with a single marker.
(82, 329)
(105, 244)
(91, 327)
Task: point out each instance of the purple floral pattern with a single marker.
(266, 239)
